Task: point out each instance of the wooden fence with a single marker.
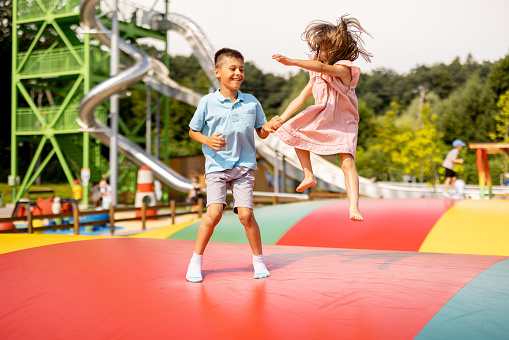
(75, 214)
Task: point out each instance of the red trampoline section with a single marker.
(388, 225)
(135, 288)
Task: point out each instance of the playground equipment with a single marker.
(483, 168)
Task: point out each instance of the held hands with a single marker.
(272, 125)
(215, 142)
(282, 59)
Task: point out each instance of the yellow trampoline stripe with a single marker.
(165, 232)
(13, 242)
(471, 227)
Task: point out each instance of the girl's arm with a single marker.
(340, 71)
(297, 102)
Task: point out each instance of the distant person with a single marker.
(196, 191)
(224, 122)
(77, 191)
(56, 207)
(106, 194)
(449, 162)
(95, 194)
(331, 125)
(105, 177)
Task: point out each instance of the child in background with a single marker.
(330, 126)
(224, 122)
(449, 162)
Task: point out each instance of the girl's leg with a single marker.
(305, 161)
(248, 220)
(212, 218)
(352, 185)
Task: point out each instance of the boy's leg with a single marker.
(453, 187)
(206, 228)
(254, 238)
(216, 201)
(205, 231)
(252, 228)
(242, 188)
(446, 186)
(351, 184)
(305, 161)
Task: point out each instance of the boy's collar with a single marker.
(221, 98)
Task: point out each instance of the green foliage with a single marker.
(467, 113)
(502, 119)
(498, 79)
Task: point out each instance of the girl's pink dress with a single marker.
(330, 126)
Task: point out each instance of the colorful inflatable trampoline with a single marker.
(330, 278)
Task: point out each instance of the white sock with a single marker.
(194, 268)
(259, 267)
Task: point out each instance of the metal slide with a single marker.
(143, 68)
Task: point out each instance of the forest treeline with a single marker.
(407, 121)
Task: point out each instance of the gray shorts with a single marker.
(241, 180)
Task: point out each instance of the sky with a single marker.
(405, 33)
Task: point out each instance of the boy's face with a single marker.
(230, 73)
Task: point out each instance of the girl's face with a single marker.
(230, 73)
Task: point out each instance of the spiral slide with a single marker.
(146, 69)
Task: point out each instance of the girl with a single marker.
(330, 126)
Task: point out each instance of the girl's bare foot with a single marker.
(355, 215)
(306, 183)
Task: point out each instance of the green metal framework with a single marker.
(49, 79)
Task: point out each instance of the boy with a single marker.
(450, 160)
(224, 122)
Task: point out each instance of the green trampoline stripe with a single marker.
(478, 311)
(274, 221)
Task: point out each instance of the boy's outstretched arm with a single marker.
(215, 142)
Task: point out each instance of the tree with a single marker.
(498, 79)
(390, 140)
(467, 113)
(421, 149)
(502, 125)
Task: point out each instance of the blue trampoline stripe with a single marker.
(274, 221)
(479, 310)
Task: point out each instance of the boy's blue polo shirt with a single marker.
(236, 121)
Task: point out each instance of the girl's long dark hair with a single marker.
(342, 41)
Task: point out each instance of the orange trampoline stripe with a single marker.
(471, 227)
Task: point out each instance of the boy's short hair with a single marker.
(226, 53)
